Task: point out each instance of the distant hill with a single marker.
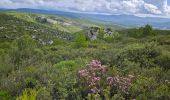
(43, 27)
(12, 28)
(117, 20)
(56, 22)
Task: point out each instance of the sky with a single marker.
(159, 8)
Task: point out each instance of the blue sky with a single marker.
(133, 7)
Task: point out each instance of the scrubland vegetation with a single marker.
(42, 63)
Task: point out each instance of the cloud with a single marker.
(155, 7)
(152, 9)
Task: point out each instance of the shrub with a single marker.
(95, 78)
(141, 32)
(111, 37)
(65, 79)
(147, 30)
(80, 40)
(5, 95)
(141, 54)
(28, 94)
(142, 87)
(163, 60)
(162, 93)
(43, 94)
(30, 83)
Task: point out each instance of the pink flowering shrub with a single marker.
(92, 75)
(95, 77)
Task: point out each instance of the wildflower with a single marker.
(110, 80)
(83, 73)
(95, 64)
(95, 90)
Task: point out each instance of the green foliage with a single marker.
(164, 59)
(28, 94)
(162, 92)
(142, 88)
(26, 43)
(30, 83)
(5, 95)
(112, 37)
(80, 40)
(118, 97)
(142, 54)
(44, 94)
(147, 30)
(38, 61)
(66, 78)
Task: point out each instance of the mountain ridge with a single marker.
(122, 20)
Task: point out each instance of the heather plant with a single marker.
(96, 77)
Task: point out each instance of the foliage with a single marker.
(28, 94)
(147, 30)
(95, 78)
(5, 95)
(80, 40)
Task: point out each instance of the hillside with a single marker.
(54, 21)
(13, 27)
(47, 57)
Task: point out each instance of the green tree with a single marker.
(147, 30)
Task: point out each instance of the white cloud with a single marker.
(155, 7)
(152, 9)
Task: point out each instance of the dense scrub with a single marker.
(120, 67)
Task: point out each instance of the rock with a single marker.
(41, 19)
(93, 32)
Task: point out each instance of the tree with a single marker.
(147, 30)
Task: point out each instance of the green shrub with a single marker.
(30, 83)
(5, 95)
(141, 32)
(162, 93)
(142, 54)
(43, 94)
(163, 60)
(143, 87)
(111, 37)
(28, 94)
(80, 40)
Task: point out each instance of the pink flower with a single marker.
(95, 64)
(95, 79)
(83, 73)
(110, 80)
(95, 90)
(103, 69)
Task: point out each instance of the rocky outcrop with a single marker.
(41, 19)
(93, 32)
